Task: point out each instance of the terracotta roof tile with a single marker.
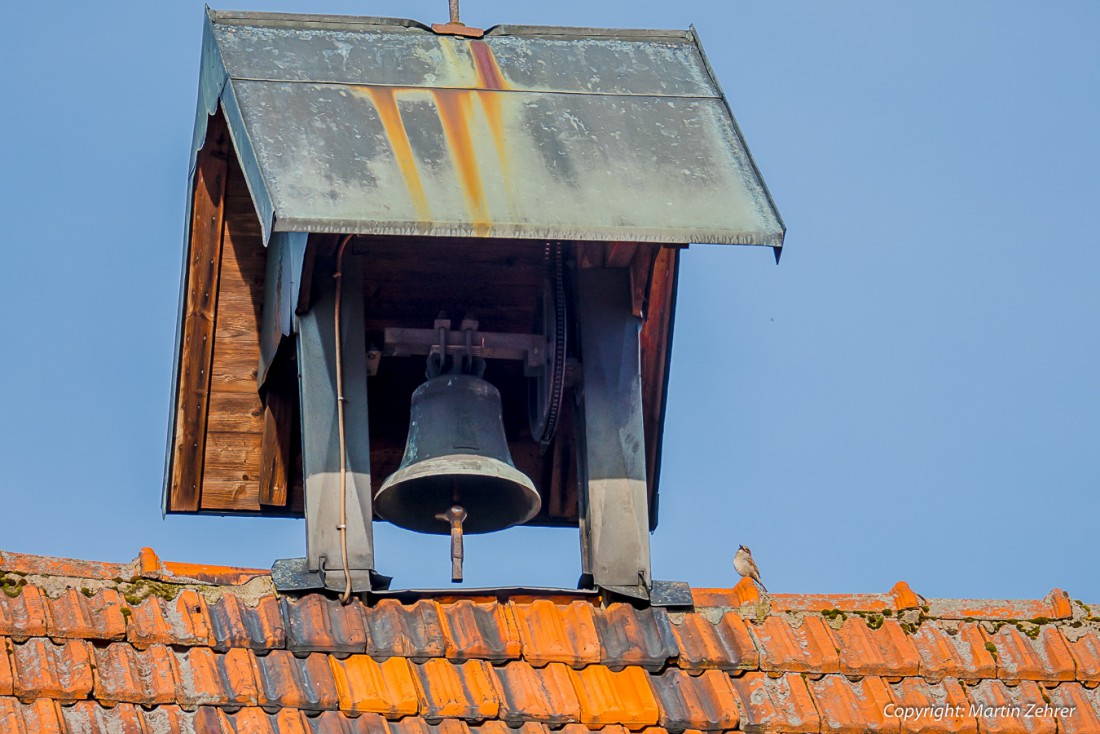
(485, 631)
(630, 636)
(853, 707)
(90, 717)
(125, 674)
(465, 691)
(44, 669)
(608, 697)
(1004, 710)
(236, 624)
(939, 707)
(1046, 658)
(6, 680)
(43, 716)
(23, 615)
(557, 633)
(181, 620)
(705, 702)
(167, 652)
(209, 678)
(806, 648)
(302, 683)
(957, 651)
(725, 645)
(1086, 654)
(1084, 714)
(866, 650)
(317, 624)
(75, 614)
(412, 631)
(366, 686)
(780, 704)
(543, 695)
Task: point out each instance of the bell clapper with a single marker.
(455, 516)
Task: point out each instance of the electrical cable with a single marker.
(343, 526)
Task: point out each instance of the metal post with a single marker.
(320, 440)
(614, 503)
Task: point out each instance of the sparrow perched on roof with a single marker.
(744, 565)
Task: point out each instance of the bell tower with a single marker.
(430, 279)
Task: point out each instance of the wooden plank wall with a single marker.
(236, 413)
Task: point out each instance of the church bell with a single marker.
(457, 456)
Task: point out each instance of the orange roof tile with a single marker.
(156, 646)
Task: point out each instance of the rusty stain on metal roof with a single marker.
(376, 126)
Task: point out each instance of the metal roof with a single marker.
(380, 126)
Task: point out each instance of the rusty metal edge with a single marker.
(537, 234)
(348, 22)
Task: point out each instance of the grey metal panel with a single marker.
(388, 56)
(530, 165)
(373, 126)
(615, 499)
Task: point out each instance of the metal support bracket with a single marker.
(614, 494)
(527, 348)
(320, 437)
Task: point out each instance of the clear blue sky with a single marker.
(913, 393)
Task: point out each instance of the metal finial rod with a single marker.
(454, 11)
(455, 516)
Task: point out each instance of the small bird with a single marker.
(744, 565)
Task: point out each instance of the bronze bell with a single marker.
(457, 457)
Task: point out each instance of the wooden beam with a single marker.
(656, 347)
(197, 350)
(275, 450)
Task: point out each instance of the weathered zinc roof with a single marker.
(380, 126)
(154, 647)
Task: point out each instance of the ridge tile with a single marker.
(784, 648)
(726, 645)
(483, 631)
(557, 633)
(396, 630)
(464, 691)
(630, 636)
(543, 695)
(705, 702)
(609, 697)
(780, 704)
(366, 686)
